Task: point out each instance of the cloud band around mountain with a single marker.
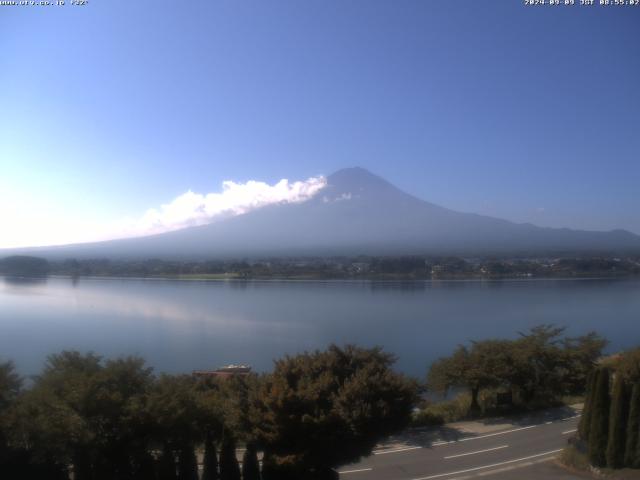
(192, 209)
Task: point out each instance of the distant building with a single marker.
(360, 267)
(224, 372)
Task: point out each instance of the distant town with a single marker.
(361, 267)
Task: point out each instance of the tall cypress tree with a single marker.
(210, 470)
(250, 465)
(636, 462)
(631, 457)
(618, 419)
(599, 424)
(82, 466)
(145, 468)
(143, 464)
(187, 464)
(229, 468)
(269, 471)
(585, 420)
(167, 465)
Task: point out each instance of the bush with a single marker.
(573, 458)
(443, 412)
(427, 417)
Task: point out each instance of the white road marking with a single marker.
(355, 471)
(443, 442)
(439, 475)
(466, 439)
(511, 467)
(395, 450)
(569, 431)
(479, 451)
(497, 433)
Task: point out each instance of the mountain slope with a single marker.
(356, 213)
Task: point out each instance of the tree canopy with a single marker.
(539, 363)
(325, 409)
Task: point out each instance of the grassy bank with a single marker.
(457, 409)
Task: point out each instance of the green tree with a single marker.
(29, 448)
(632, 448)
(80, 411)
(173, 408)
(210, 461)
(539, 361)
(599, 429)
(629, 365)
(10, 386)
(187, 464)
(237, 404)
(618, 419)
(250, 465)
(585, 419)
(144, 467)
(118, 388)
(52, 420)
(486, 364)
(580, 357)
(167, 464)
(324, 409)
(538, 366)
(42, 432)
(269, 468)
(229, 468)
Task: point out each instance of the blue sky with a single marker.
(112, 109)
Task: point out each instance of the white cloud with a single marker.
(191, 209)
(33, 224)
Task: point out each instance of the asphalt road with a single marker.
(523, 449)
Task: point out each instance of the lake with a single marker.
(179, 326)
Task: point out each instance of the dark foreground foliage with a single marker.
(101, 419)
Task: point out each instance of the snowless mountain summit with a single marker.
(356, 212)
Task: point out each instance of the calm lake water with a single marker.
(179, 326)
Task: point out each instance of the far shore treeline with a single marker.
(105, 419)
(339, 267)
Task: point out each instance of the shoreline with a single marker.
(310, 279)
